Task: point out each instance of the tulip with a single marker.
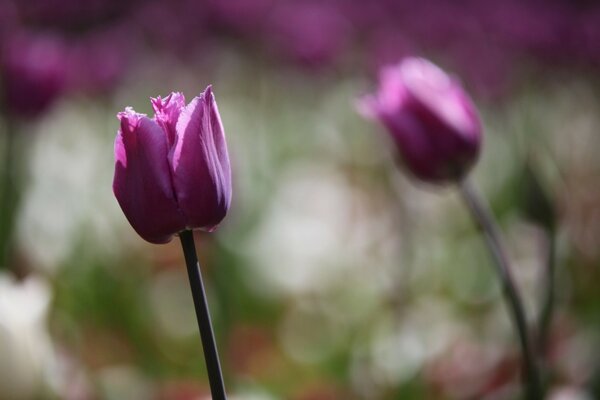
(172, 172)
(34, 73)
(435, 126)
(99, 60)
(432, 121)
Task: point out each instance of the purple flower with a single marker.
(312, 34)
(34, 71)
(100, 59)
(172, 172)
(432, 121)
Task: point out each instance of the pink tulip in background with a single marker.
(437, 131)
(33, 69)
(172, 172)
(430, 118)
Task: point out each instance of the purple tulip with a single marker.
(100, 59)
(432, 121)
(34, 71)
(312, 34)
(172, 172)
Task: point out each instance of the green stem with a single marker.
(211, 357)
(9, 194)
(484, 220)
(548, 306)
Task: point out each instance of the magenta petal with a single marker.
(142, 181)
(200, 164)
(167, 112)
(431, 119)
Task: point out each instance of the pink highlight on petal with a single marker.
(167, 112)
(435, 89)
(129, 122)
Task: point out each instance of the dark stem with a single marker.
(486, 223)
(548, 305)
(8, 194)
(213, 366)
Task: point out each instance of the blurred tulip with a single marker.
(34, 72)
(8, 18)
(100, 59)
(311, 34)
(432, 121)
(172, 172)
(242, 17)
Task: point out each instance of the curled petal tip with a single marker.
(125, 113)
(208, 94)
(129, 119)
(173, 103)
(156, 102)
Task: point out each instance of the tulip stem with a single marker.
(213, 366)
(545, 320)
(484, 220)
(9, 194)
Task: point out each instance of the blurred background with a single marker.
(335, 276)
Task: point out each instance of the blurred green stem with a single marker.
(211, 357)
(9, 193)
(484, 220)
(545, 320)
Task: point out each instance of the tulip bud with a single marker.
(430, 118)
(172, 172)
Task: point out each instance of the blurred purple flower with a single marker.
(386, 45)
(34, 73)
(312, 34)
(99, 60)
(539, 31)
(432, 121)
(73, 15)
(586, 41)
(8, 18)
(242, 17)
(172, 172)
(181, 38)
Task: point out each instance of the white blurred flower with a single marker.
(319, 230)
(25, 347)
(399, 348)
(69, 193)
(569, 393)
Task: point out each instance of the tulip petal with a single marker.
(440, 94)
(167, 112)
(200, 164)
(142, 183)
(432, 121)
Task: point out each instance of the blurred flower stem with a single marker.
(545, 318)
(9, 194)
(484, 220)
(213, 366)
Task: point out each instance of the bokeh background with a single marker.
(335, 275)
